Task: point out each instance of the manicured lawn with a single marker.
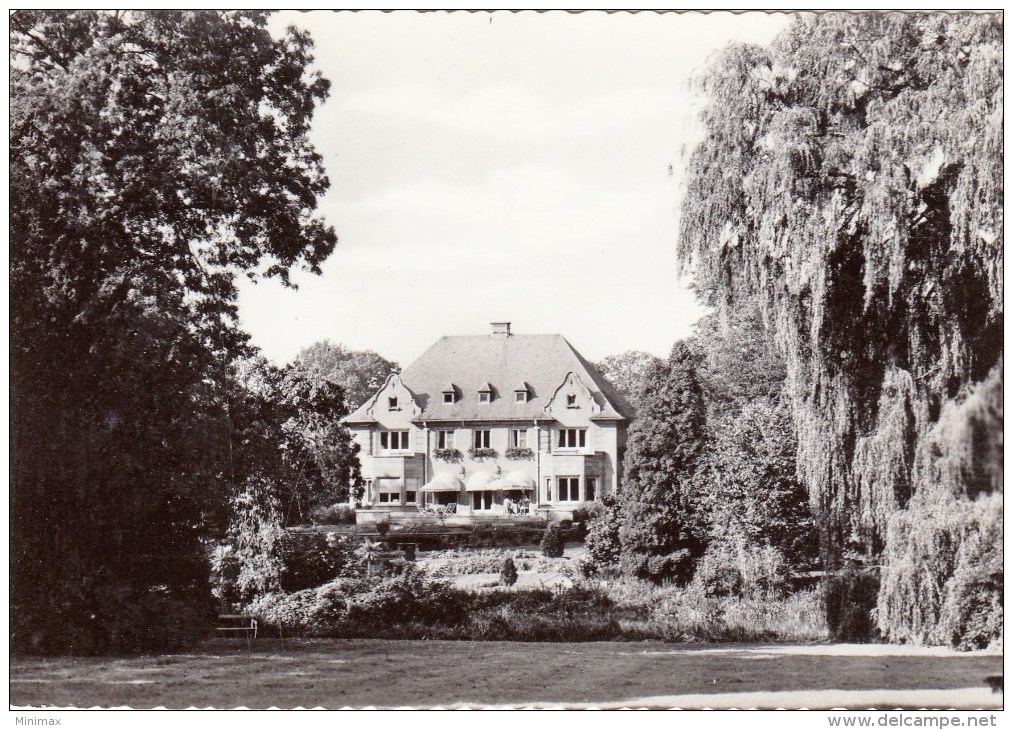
(360, 673)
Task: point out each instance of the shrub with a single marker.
(310, 559)
(579, 613)
(335, 514)
(552, 541)
(363, 607)
(676, 565)
(412, 527)
(588, 511)
(470, 562)
(409, 597)
(320, 611)
(583, 514)
(383, 527)
(602, 538)
(508, 575)
(740, 569)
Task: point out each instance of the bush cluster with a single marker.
(362, 606)
(741, 569)
(508, 573)
(553, 544)
(602, 533)
(408, 597)
(412, 606)
(335, 514)
(471, 562)
(310, 559)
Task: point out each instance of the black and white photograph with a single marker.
(492, 359)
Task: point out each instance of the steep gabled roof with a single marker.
(541, 362)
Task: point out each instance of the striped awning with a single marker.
(443, 482)
(515, 481)
(480, 481)
(518, 480)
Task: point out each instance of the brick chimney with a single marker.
(500, 329)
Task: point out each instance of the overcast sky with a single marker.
(508, 166)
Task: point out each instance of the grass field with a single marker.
(361, 673)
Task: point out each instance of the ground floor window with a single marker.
(548, 490)
(591, 488)
(388, 490)
(569, 489)
(409, 497)
(481, 500)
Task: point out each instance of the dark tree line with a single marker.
(709, 475)
(155, 156)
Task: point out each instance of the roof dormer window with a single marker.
(450, 394)
(485, 394)
(521, 393)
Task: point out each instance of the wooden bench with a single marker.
(234, 624)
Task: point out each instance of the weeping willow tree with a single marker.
(851, 178)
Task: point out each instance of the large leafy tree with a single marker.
(154, 157)
(663, 530)
(628, 371)
(294, 436)
(748, 480)
(360, 373)
(851, 178)
(739, 361)
(749, 488)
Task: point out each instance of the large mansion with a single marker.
(491, 424)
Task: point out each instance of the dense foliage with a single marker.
(602, 538)
(155, 156)
(739, 363)
(508, 573)
(663, 530)
(628, 371)
(291, 428)
(409, 605)
(742, 497)
(749, 488)
(851, 180)
(359, 373)
(553, 544)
